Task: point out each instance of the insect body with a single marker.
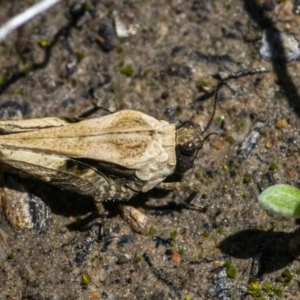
(112, 157)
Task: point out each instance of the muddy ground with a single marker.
(74, 55)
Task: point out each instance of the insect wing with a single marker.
(129, 139)
(57, 170)
(13, 126)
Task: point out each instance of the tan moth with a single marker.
(111, 157)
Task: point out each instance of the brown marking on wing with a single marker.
(131, 147)
(129, 119)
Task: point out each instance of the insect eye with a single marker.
(188, 148)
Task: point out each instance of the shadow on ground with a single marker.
(270, 248)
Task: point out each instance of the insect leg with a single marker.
(192, 188)
(180, 186)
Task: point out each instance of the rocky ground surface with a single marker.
(163, 58)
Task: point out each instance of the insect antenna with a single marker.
(214, 109)
(207, 136)
(224, 81)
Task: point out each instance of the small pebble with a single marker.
(138, 221)
(176, 258)
(268, 144)
(279, 46)
(282, 123)
(218, 144)
(290, 173)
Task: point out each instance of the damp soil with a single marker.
(163, 58)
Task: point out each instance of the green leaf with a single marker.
(282, 199)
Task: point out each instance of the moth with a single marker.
(112, 157)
